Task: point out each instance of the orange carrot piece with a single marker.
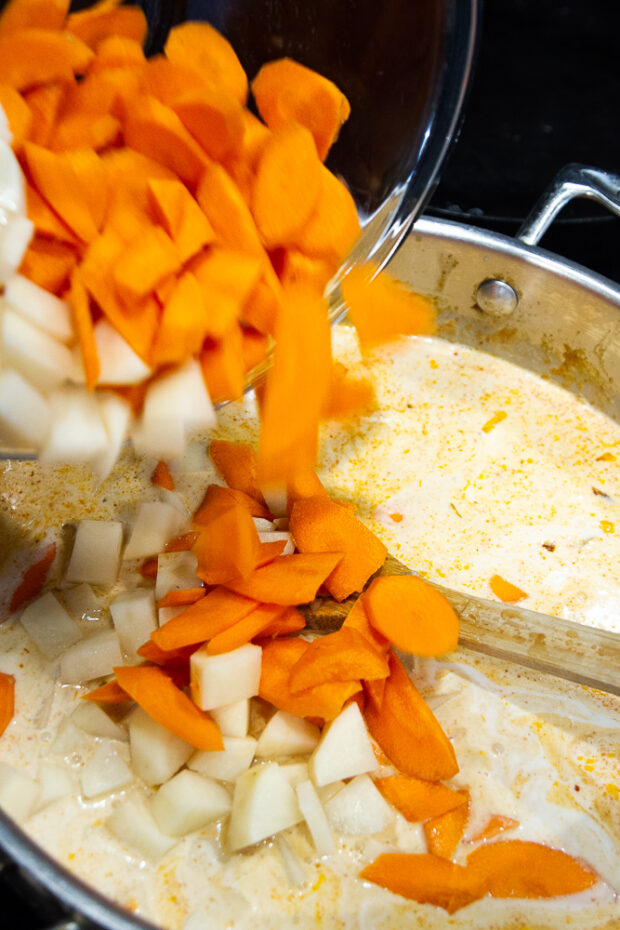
(348, 396)
(214, 118)
(155, 130)
(46, 222)
(495, 825)
(168, 80)
(291, 621)
(148, 569)
(181, 543)
(254, 508)
(17, 112)
(82, 318)
(298, 268)
(302, 485)
(236, 463)
(118, 51)
(333, 225)
(106, 19)
(155, 692)
(33, 14)
(33, 578)
(199, 47)
(150, 258)
(323, 701)
(228, 278)
(285, 90)
(222, 367)
(426, 879)
(161, 476)
(382, 310)
(407, 730)
(444, 832)
(254, 347)
(49, 264)
(357, 619)
(44, 102)
(228, 545)
(413, 615)
(319, 524)
(246, 629)
(227, 211)
(173, 658)
(269, 551)
(184, 322)
(181, 598)
(41, 56)
(7, 700)
(110, 693)
(505, 591)
(339, 656)
(287, 184)
(289, 579)
(419, 800)
(521, 869)
(180, 216)
(84, 130)
(212, 614)
(262, 307)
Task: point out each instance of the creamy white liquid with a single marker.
(473, 504)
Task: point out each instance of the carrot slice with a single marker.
(323, 701)
(156, 693)
(82, 317)
(286, 189)
(110, 693)
(44, 102)
(33, 578)
(505, 591)
(41, 56)
(347, 396)
(161, 476)
(289, 579)
(201, 48)
(33, 14)
(495, 825)
(357, 619)
(181, 598)
(320, 524)
(228, 545)
(150, 258)
(180, 216)
(46, 222)
(419, 800)
(413, 615)
(184, 322)
(333, 225)
(425, 878)
(236, 463)
(382, 310)
(181, 543)
(262, 307)
(227, 211)
(298, 268)
(7, 700)
(148, 569)
(49, 264)
(118, 51)
(444, 832)
(254, 508)
(173, 658)
(339, 656)
(291, 621)
(212, 614)
(407, 731)
(17, 112)
(254, 347)
(521, 869)
(285, 90)
(106, 19)
(246, 629)
(301, 485)
(214, 118)
(222, 367)
(85, 130)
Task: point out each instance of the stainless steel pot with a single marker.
(504, 296)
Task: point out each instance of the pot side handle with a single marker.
(571, 182)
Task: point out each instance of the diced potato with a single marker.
(91, 658)
(316, 818)
(164, 614)
(226, 764)
(262, 525)
(295, 772)
(222, 679)
(233, 719)
(189, 802)
(293, 866)
(135, 617)
(118, 363)
(40, 307)
(12, 188)
(24, 411)
(93, 720)
(264, 803)
(287, 735)
(156, 753)
(359, 808)
(133, 824)
(344, 750)
(15, 237)
(105, 772)
(69, 739)
(77, 433)
(116, 415)
(18, 792)
(57, 781)
(156, 524)
(40, 358)
(49, 626)
(96, 552)
(176, 571)
(327, 792)
(159, 439)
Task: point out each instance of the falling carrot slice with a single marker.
(413, 615)
(110, 693)
(236, 463)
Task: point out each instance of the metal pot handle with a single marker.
(572, 181)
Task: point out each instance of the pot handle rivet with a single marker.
(496, 297)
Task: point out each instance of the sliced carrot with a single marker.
(180, 216)
(413, 615)
(262, 307)
(222, 366)
(285, 90)
(110, 693)
(85, 130)
(150, 259)
(33, 578)
(357, 619)
(44, 102)
(333, 227)
(301, 485)
(236, 463)
(181, 543)
(495, 825)
(173, 658)
(323, 701)
(254, 347)
(169, 80)
(340, 656)
(49, 264)
(201, 48)
(521, 869)
(254, 508)
(106, 19)
(33, 14)
(82, 318)
(41, 56)
(161, 476)
(269, 551)
(214, 118)
(419, 800)
(298, 268)
(319, 524)
(289, 579)
(407, 731)
(246, 629)
(444, 832)
(7, 700)
(181, 598)
(426, 879)
(155, 692)
(212, 614)
(227, 547)
(348, 396)
(291, 621)
(505, 591)
(286, 189)
(148, 569)
(184, 321)
(382, 310)
(228, 277)
(17, 112)
(227, 211)
(46, 222)
(118, 51)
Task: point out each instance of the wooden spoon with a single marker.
(557, 647)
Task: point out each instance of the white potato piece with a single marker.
(15, 238)
(118, 363)
(40, 307)
(6, 135)
(156, 524)
(175, 572)
(107, 771)
(49, 626)
(93, 719)
(43, 360)
(181, 395)
(83, 604)
(189, 802)
(226, 764)
(69, 739)
(57, 781)
(12, 188)
(359, 808)
(327, 792)
(262, 525)
(156, 753)
(77, 433)
(134, 615)
(159, 439)
(96, 552)
(293, 866)
(164, 614)
(264, 803)
(222, 679)
(133, 824)
(116, 416)
(287, 735)
(92, 658)
(24, 411)
(279, 536)
(233, 719)
(316, 818)
(276, 498)
(19, 792)
(344, 750)
(294, 772)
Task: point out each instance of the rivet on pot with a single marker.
(496, 297)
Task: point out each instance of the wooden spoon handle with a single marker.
(568, 650)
